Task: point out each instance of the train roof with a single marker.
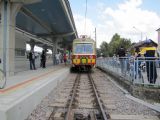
(83, 40)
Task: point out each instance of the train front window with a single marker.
(86, 48)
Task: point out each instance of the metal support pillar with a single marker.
(54, 50)
(7, 36)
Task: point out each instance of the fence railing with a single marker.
(142, 70)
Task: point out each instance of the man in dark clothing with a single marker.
(43, 59)
(32, 60)
(151, 67)
(121, 53)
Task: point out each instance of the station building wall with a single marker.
(21, 60)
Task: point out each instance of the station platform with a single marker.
(25, 90)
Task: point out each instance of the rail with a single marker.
(99, 102)
(68, 114)
(76, 107)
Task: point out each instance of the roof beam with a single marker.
(56, 35)
(25, 1)
(34, 37)
(66, 6)
(64, 34)
(35, 18)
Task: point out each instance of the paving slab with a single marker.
(133, 117)
(25, 90)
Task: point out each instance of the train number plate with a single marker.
(84, 61)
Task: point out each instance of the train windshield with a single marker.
(82, 48)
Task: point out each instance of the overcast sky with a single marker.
(117, 16)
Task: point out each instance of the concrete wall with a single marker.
(21, 61)
(24, 65)
(20, 52)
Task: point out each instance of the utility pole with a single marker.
(96, 37)
(139, 31)
(141, 36)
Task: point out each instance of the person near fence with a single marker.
(114, 60)
(121, 53)
(137, 63)
(128, 55)
(43, 59)
(151, 66)
(131, 66)
(32, 58)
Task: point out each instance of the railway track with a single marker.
(75, 99)
(82, 103)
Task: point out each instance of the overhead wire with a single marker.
(85, 17)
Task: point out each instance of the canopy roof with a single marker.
(48, 19)
(158, 29)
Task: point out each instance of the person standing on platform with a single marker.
(57, 58)
(43, 59)
(65, 58)
(61, 58)
(32, 60)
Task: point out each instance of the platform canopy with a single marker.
(47, 19)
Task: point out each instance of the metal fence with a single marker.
(142, 70)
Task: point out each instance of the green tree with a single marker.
(126, 43)
(98, 52)
(115, 43)
(104, 49)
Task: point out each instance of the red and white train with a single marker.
(83, 54)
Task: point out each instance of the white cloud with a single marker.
(130, 4)
(121, 21)
(127, 15)
(80, 25)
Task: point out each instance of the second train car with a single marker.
(83, 54)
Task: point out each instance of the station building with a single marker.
(47, 24)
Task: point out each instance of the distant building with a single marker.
(145, 45)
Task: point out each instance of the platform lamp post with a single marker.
(139, 31)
